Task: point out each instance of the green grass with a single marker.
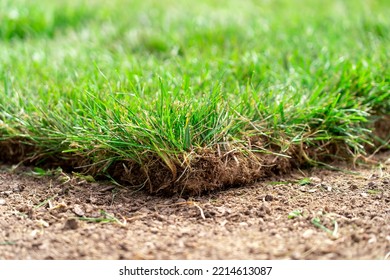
(105, 218)
(188, 96)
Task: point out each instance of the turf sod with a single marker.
(187, 96)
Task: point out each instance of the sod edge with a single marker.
(204, 171)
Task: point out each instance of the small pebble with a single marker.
(2, 201)
(78, 210)
(372, 239)
(354, 187)
(355, 238)
(71, 224)
(180, 200)
(7, 193)
(264, 208)
(315, 180)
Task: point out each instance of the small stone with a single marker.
(154, 230)
(308, 233)
(89, 208)
(71, 224)
(78, 210)
(296, 256)
(43, 223)
(223, 210)
(143, 210)
(372, 239)
(315, 180)
(2, 201)
(265, 208)
(180, 200)
(353, 187)
(7, 193)
(302, 189)
(355, 238)
(18, 188)
(268, 197)
(34, 233)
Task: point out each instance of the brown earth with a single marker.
(310, 214)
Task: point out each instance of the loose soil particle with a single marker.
(334, 215)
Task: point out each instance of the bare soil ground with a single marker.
(310, 214)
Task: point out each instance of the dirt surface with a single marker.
(310, 214)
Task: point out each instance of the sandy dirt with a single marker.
(309, 214)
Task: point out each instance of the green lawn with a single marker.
(191, 95)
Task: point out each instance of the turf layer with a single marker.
(184, 97)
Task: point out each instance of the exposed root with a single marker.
(16, 150)
(382, 131)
